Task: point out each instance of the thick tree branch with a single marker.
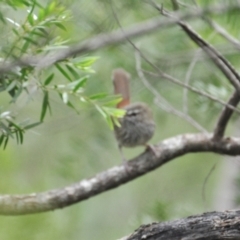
(116, 37)
(167, 150)
(225, 116)
(208, 226)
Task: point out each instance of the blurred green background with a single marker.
(69, 147)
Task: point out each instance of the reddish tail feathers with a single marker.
(121, 86)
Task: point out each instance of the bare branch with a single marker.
(161, 101)
(223, 33)
(223, 64)
(225, 116)
(178, 82)
(116, 37)
(226, 68)
(167, 150)
(187, 80)
(208, 226)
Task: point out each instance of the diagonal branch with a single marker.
(161, 101)
(165, 151)
(223, 64)
(42, 61)
(225, 116)
(228, 71)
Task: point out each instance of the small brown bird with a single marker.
(137, 126)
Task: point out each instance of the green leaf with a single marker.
(114, 111)
(11, 123)
(64, 73)
(59, 25)
(49, 79)
(44, 106)
(41, 14)
(32, 125)
(30, 40)
(1, 139)
(84, 62)
(20, 136)
(17, 137)
(69, 104)
(109, 122)
(5, 142)
(15, 31)
(113, 102)
(11, 86)
(30, 19)
(81, 82)
(38, 33)
(116, 121)
(98, 96)
(101, 111)
(73, 71)
(30, 14)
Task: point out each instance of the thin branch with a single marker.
(187, 80)
(223, 64)
(45, 60)
(178, 82)
(206, 180)
(160, 100)
(180, 114)
(219, 29)
(164, 152)
(225, 116)
(231, 74)
(166, 76)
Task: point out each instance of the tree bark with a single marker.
(208, 226)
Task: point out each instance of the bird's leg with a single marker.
(124, 161)
(152, 149)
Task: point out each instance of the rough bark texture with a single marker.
(208, 226)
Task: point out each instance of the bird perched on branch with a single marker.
(137, 126)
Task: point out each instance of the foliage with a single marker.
(39, 32)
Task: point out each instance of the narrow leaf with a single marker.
(44, 106)
(5, 143)
(81, 83)
(32, 125)
(64, 73)
(48, 79)
(59, 25)
(1, 139)
(73, 71)
(98, 96)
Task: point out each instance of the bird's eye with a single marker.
(132, 113)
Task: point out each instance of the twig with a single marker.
(223, 64)
(159, 99)
(42, 61)
(206, 180)
(219, 29)
(187, 80)
(178, 82)
(226, 68)
(225, 116)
